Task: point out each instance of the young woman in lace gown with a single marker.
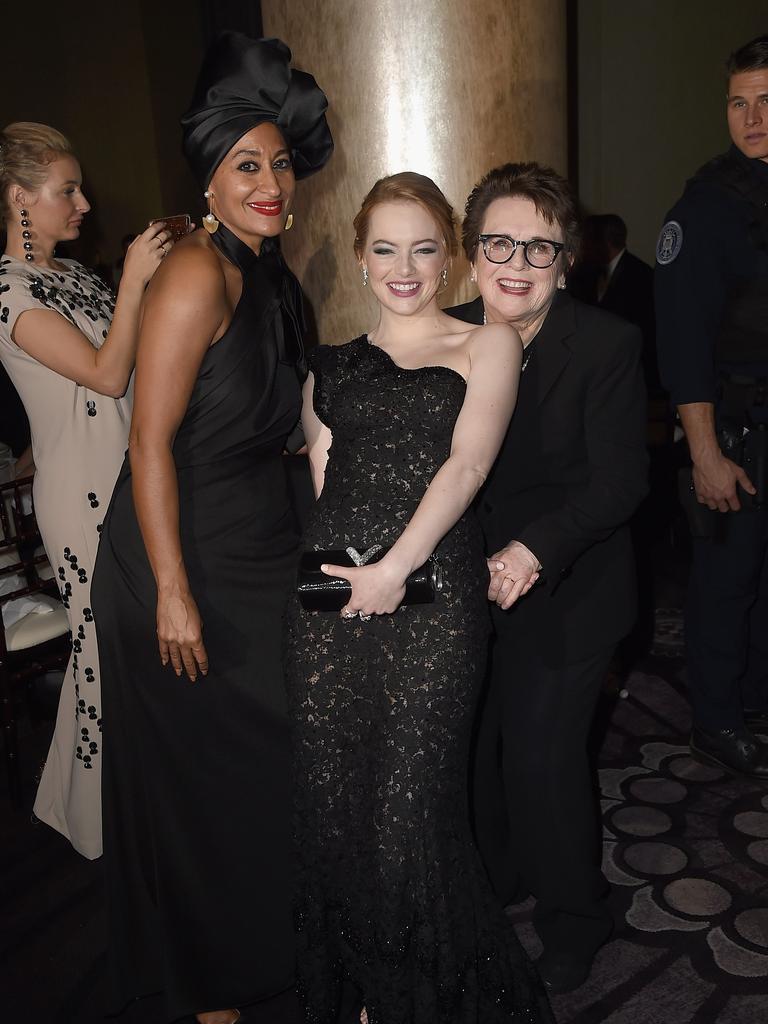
(393, 909)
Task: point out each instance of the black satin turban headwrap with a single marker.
(244, 82)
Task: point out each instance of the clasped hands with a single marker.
(514, 570)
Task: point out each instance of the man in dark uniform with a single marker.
(712, 324)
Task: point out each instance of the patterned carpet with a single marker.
(686, 850)
(685, 847)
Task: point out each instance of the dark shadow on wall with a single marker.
(242, 15)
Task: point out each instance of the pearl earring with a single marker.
(26, 234)
(210, 223)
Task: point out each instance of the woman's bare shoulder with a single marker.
(194, 265)
(495, 343)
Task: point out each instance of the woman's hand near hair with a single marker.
(56, 343)
(144, 255)
(185, 309)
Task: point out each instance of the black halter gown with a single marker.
(197, 791)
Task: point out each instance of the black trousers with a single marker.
(534, 806)
(726, 622)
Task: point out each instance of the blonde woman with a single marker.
(69, 349)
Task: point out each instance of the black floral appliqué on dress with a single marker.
(391, 893)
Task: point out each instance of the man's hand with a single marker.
(715, 479)
(514, 570)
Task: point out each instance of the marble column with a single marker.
(448, 88)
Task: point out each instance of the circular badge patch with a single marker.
(670, 243)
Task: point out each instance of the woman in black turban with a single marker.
(196, 558)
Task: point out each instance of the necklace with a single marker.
(527, 351)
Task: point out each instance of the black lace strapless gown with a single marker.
(197, 794)
(391, 896)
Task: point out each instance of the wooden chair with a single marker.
(35, 642)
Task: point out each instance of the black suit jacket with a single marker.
(570, 473)
(629, 295)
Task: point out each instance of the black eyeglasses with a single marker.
(539, 252)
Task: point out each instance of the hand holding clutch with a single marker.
(321, 592)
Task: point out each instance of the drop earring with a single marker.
(365, 276)
(210, 223)
(444, 276)
(288, 222)
(26, 234)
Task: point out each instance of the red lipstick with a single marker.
(272, 209)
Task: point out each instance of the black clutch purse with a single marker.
(319, 592)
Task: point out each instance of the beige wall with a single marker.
(651, 100)
(115, 84)
(448, 88)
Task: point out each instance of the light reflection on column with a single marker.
(448, 88)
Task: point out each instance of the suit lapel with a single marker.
(553, 350)
(470, 312)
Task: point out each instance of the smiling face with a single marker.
(748, 112)
(515, 292)
(57, 208)
(253, 187)
(405, 255)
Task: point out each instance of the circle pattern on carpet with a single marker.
(697, 897)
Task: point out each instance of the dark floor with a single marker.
(686, 850)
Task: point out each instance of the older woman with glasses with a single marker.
(570, 473)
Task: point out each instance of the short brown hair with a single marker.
(413, 188)
(26, 150)
(546, 189)
(752, 56)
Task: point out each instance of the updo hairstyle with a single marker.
(26, 151)
(413, 188)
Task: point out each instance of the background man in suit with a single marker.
(610, 276)
(571, 472)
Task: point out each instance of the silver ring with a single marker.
(365, 618)
(348, 614)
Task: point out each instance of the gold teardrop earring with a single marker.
(210, 223)
(288, 222)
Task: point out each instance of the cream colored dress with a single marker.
(79, 439)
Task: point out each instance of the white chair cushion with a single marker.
(36, 627)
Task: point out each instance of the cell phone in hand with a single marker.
(178, 225)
